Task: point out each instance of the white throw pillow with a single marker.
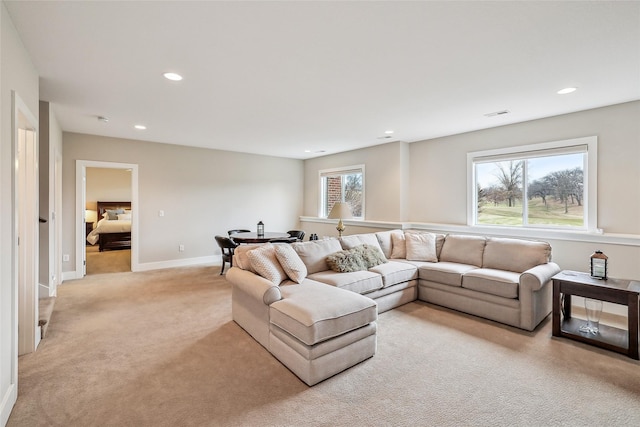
(124, 217)
(398, 245)
(265, 263)
(421, 247)
(291, 262)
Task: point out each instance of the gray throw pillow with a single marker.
(361, 257)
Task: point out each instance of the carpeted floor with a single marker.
(159, 348)
(111, 261)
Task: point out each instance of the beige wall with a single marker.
(385, 174)
(16, 73)
(107, 185)
(436, 188)
(202, 193)
(439, 169)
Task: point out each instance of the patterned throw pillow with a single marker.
(265, 263)
(291, 262)
(421, 247)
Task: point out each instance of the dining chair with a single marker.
(227, 247)
(298, 234)
(230, 232)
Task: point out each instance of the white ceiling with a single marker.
(279, 78)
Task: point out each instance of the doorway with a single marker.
(82, 210)
(103, 188)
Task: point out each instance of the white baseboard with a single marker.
(8, 400)
(188, 262)
(70, 275)
(148, 266)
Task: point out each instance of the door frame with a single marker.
(81, 179)
(26, 294)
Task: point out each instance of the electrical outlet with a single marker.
(65, 258)
(181, 248)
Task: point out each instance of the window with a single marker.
(543, 185)
(342, 185)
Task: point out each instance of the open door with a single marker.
(26, 225)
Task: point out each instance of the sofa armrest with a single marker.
(254, 285)
(534, 278)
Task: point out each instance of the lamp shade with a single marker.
(340, 210)
(90, 215)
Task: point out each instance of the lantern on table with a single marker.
(599, 265)
(260, 229)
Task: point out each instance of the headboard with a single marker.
(103, 206)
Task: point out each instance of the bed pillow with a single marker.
(421, 247)
(113, 213)
(124, 217)
(265, 263)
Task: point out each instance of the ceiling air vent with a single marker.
(497, 113)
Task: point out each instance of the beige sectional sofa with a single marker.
(303, 304)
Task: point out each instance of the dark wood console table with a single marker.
(624, 292)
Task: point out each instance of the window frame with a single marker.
(346, 170)
(590, 171)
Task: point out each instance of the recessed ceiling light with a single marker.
(388, 132)
(307, 151)
(140, 127)
(103, 119)
(173, 76)
(566, 90)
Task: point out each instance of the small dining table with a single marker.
(251, 237)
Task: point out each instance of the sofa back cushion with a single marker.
(463, 249)
(515, 255)
(313, 253)
(369, 239)
(384, 240)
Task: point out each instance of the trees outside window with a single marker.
(342, 185)
(537, 188)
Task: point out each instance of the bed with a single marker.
(113, 230)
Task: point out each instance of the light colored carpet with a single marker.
(110, 261)
(159, 348)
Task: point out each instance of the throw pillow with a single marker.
(372, 255)
(291, 262)
(399, 245)
(346, 261)
(421, 247)
(265, 263)
(360, 258)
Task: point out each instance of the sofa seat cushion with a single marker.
(313, 312)
(448, 273)
(356, 281)
(495, 282)
(394, 272)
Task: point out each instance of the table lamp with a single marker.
(340, 211)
